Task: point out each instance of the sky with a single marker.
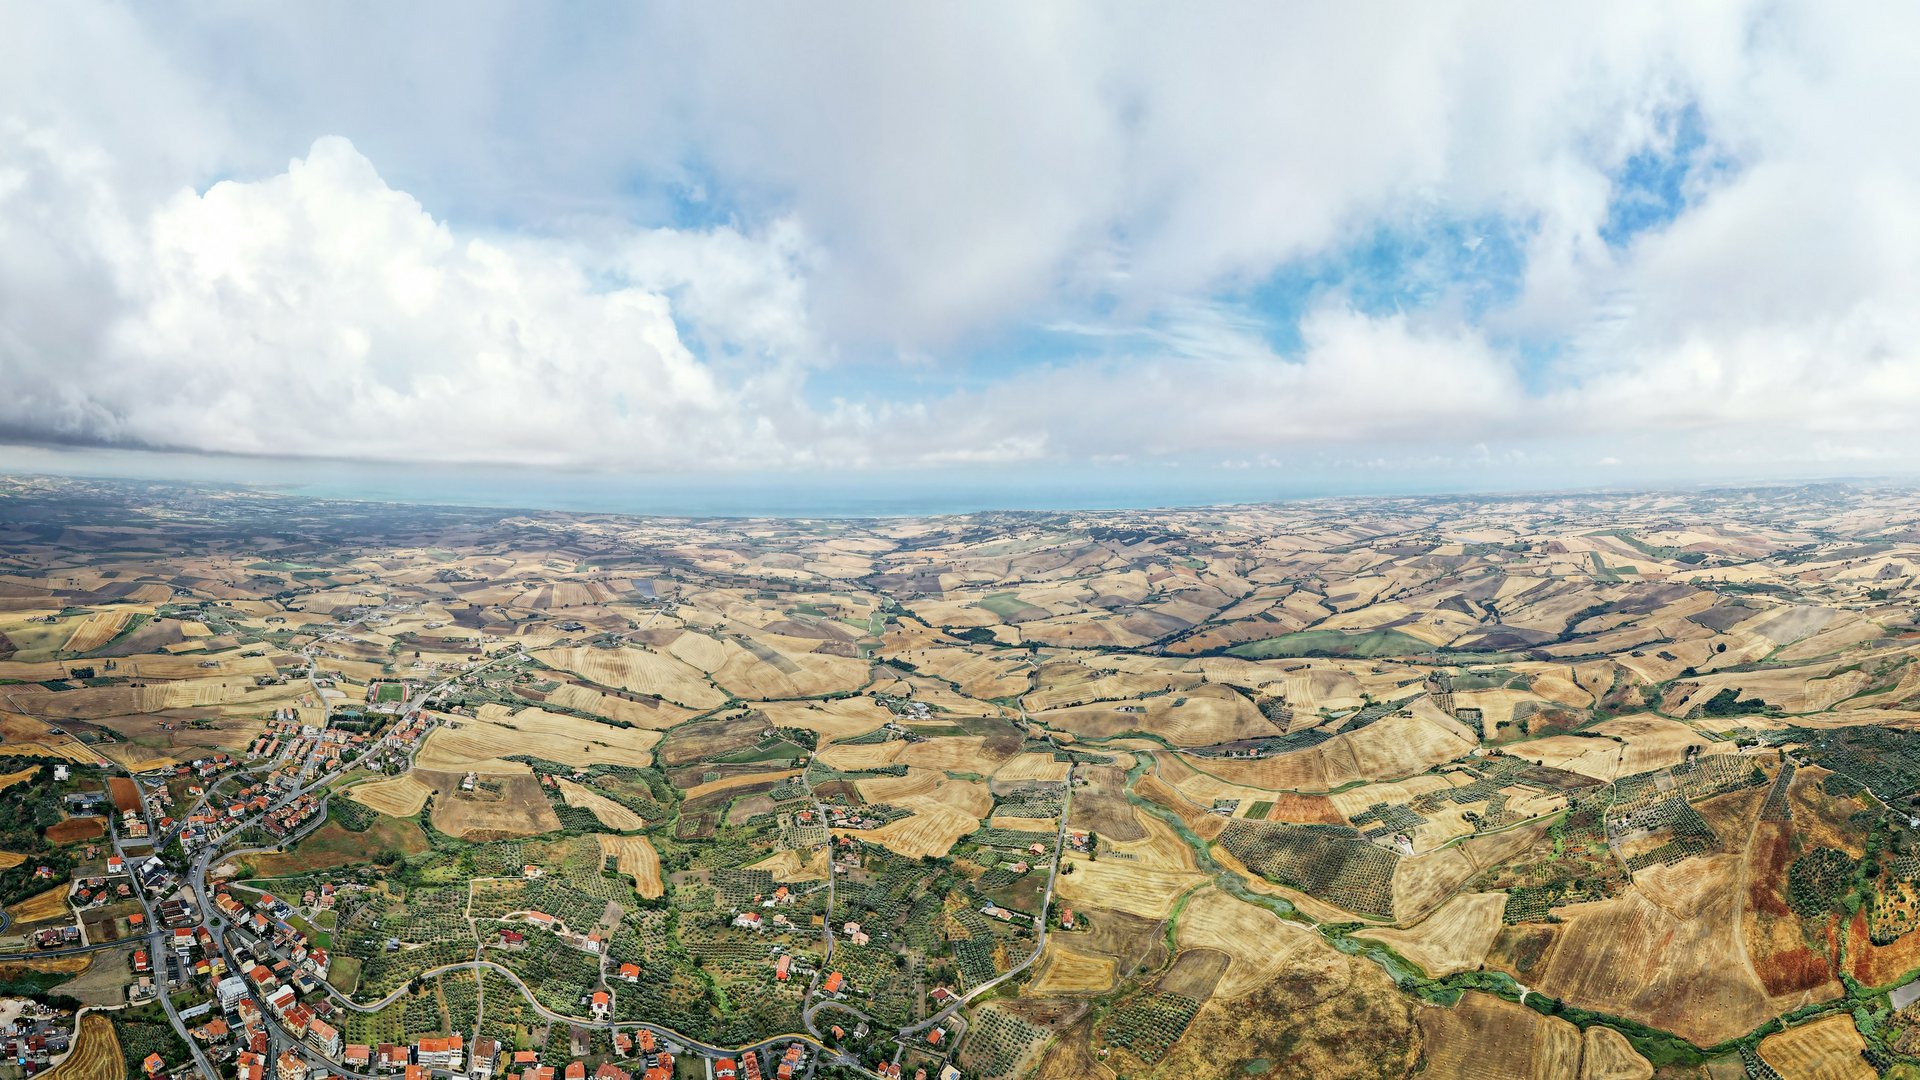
(1282, 247)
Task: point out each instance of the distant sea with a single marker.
(815, 494)
(785, 494)
(867, 496)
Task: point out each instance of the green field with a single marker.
(1333, 643)
(390, 692)
(331, 845)
(1008, 605)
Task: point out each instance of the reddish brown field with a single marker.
(1878, 965)
(1304, 809)
(80, 828)
(1775, 944)
(126, 796)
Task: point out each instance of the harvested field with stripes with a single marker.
(95, 1055)
(95, 630)
(634, 856)
(482, 741)
(396, 796)
(611, 814)
(1065, 971)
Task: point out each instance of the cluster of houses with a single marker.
(449, 1054)
(267, 929)
(288, 819)
(35, 1035)
(206, 768)
(788, 1066)
(113, 885)
(203, 824)
(593, 941)
(841, 816)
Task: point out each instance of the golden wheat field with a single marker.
(95, 1055)
(95, 630)
(1256, 940)
(611, 814)
(1825, 1049)
(731, 783)
(41, 907)
(932, 830)
(790, 865)
(1065, 971)
(396, 796)
(497, 733)
(1454, 938)
(645, 712)
(634, 856)
(641, 671)
(1032, 766)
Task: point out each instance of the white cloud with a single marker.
(470, 285)
(319, 312)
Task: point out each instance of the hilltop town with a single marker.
(1604, 785)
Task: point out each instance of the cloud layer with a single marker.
(746, 237)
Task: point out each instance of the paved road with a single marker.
(664, 1032)
(197, 876)
(826, 924)
(157, 946)
(948, 1013)
(1040, 923)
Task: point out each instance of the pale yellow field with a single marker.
(41, 906)
(943, 810)
(840, 718)
(496, 733)
(865, 756)
(397, 796)
(96, 1053)
(36, 670)
(659, 715)
(1160, 849)
(1391, 748)
(1422, 883)
(1258, 942)
(153, 666)
(24, 734)
(642, 671)
(95, 630)
(1605, 1054)
(11, 859)
(1024, 824)
(1356, 800)
(634, 856)
(1454, 938)
(795, 865)
(1069, 972)
(1146, 884)
(1645, 743)
(611, 814)
(1032, 766)
(1486, 1037)
(957, 753)
(932, 830)
(22, 776)
(1825, 1049)
(801, 672)
(728, 783)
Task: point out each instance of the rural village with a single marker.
(1615, 787)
